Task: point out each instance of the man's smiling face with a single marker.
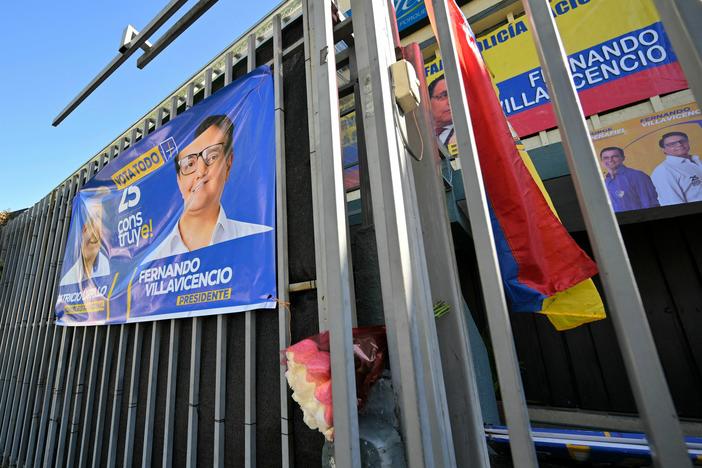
(676, 145)
(200, 184)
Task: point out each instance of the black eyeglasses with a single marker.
(209, 155)
(675, 143)
(442, 96)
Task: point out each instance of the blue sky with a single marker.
(52, 49)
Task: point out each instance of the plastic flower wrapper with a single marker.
(309, 373)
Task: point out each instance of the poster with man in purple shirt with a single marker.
(629, 189)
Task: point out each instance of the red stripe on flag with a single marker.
(549, 259)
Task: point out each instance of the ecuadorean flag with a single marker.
(542, 267)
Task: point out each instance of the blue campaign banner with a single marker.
(182, 223)
(409, 12)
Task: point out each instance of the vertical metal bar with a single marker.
(104, 380)
(78, 335)
(460, 379)
(414, 348)
(53, 454)
(170, 394)
(221, 349)
(117, 396)
(626, 309)
(682, 19)
(281, 237)
(250, 344)
(50, 412)
(135, 371)
(334, 234)
(173, 344)
(153, 359)
(195, 351)
(317, 195)
(99, 334)
(41, 359)
(491, 280)
(150, 396)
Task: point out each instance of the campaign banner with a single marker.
(409, 12)
(618, 53)
(182, 223)
(652, 160)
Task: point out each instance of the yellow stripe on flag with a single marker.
(579, 304)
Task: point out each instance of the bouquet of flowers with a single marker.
(309, 373)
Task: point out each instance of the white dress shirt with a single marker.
(76, 274)
(225, 229)
(678, 180)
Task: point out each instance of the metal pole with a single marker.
(281, 238)
(133, 400)
(413, 345)
(220, 411)
(456, 356)
(173, 344)
(95, 356)
(682, 19)
(250, 344)
(521, 444)
(53, 454)
(195, 351)
(317, 211)
(626, 309)
(333, 233)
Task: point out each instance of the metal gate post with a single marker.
(626, 309)
(317, 210)
(333, 250)
(521, 444)
(281, 238)
(250, 340)
(413, 345)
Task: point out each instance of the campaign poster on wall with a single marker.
(652, 160)
(182, 223)
(618, 53)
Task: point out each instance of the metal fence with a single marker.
(161, 394)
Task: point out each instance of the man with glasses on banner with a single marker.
(678, 179)
(202, 170)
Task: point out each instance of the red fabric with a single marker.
(549, 260)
